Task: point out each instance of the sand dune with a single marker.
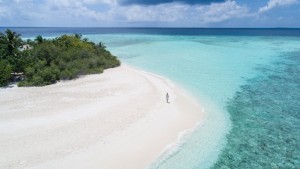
(115, 120)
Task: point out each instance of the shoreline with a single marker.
(118, 119)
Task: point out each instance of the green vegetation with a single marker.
(44, 62)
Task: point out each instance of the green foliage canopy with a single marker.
(45, 61)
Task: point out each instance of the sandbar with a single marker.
(115, 120)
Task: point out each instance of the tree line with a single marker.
(42, 61)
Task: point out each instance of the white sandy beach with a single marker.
(115, 120)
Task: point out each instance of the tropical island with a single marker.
(42, 61)
(237, 62)
(90, 122)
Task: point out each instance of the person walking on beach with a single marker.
(167, 97)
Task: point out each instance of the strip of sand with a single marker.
(115, 120)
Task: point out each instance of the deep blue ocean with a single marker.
(248, 81)
(55, 31)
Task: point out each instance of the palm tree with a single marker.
(10, 41)
(39, 39)
(101, 45)
(78, 36)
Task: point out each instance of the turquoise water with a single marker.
(216, 69)
(248, 86)
(266, 119)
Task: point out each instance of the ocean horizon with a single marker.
(247, 80)
(56, 31)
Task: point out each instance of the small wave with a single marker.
(172, 148)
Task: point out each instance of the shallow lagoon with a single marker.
(228, 75)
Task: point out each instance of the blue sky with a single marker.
(150, 13)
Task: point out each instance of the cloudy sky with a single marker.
(150, 13)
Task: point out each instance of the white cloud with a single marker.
(69, 13)
(80, 13)
(221, 11)
(3, 12)
(160, 13)
(195, 15)
(110, 2)
(11, 11)
(275, 3)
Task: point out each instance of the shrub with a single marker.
(5, 73)
(47, 61)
